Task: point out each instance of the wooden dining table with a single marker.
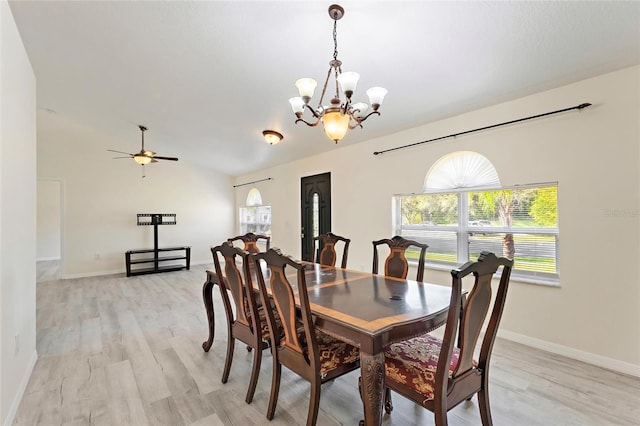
(366, 310)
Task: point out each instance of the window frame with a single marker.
(261, 224)
(261, 220)
(463, 231)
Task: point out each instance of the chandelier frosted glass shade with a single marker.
(336, 125)
(360, 109)
(348, 82)
(306, 87)
(341, 115)
(297, 105)
(376, 96)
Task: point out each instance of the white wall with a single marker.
(593, 155)
(48, 215)
(17, 216)
(101, 197)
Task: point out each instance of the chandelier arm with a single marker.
(307, 123)
(360, 120)
(314, 112)
(324, 88)
(354, 120)
(346, 107)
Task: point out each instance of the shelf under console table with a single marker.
(157, 262)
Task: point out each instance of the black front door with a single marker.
(315, 199)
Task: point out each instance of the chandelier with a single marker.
(340, 116)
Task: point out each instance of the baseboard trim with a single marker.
(121, 271)
(21, 390)
(590, 358)
(92, 274)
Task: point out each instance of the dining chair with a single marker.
(308, 352)
(324, 246)
(246, 321)
(251, 240)
(439, 374)
(396, 264)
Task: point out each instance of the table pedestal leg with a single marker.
(207, 297)
(372, 374)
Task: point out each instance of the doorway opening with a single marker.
(49, 230)
(315, 202)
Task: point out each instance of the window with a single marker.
(255, 217)
(315, 219)
(465, 211)
(518, 223)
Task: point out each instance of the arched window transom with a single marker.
(254, 198)
(461, 169)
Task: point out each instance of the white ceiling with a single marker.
(207, 77)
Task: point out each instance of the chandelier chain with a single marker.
(335, 56)
(335, 40)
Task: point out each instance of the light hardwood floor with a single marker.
(127, 351)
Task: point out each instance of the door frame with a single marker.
(60, 182)
(300, 214)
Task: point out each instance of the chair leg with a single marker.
(388, 404)
(275, 387)
(255, 372)
(229, 359)
(314, 402)
(440, 415)
(485, 409)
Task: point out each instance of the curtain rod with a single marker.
(453, 135)
(249, 183)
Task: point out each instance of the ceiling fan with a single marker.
(144, 157)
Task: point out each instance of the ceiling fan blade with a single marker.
(165, 158)
(120, 152)
(153, 161)
(116, 158)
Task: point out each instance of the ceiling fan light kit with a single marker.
(339, 116)
(142, 159)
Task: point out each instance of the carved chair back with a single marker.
(325, 249)
(251, 240)
(232, 274)
(396, 264)
(290, 350)
(246, 325)
(313, 355)
(448, 372)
